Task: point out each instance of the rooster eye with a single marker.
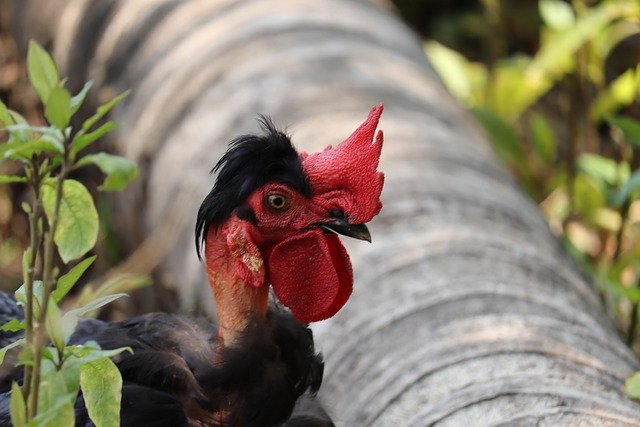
(277, 202)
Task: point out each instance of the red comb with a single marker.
(348, 173)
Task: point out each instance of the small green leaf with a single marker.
(38, 293)
(19, 150)
(544, 139)
(94, 305)
(103, 110)
(70, 318)
(43, 73)
(101, 385)
(588, 196)
(5, 116)
(78, 219)
(89, 352)
(632, 386)
(632, 294)
(599, 167)
(8, 179)
(66, 282)
(13, 325)
(502, 135)
(627, 191)
(3, 350)
(629, 127)
(82, 140)
(57, 109)
(53, 323)
(556, 14)
(17, 407)
(26, 207)
(119, 171)
(77, 100)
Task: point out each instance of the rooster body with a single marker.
(270, 222)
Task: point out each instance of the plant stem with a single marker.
(48, 282)
(34, 244)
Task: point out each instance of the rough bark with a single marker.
(466, 309)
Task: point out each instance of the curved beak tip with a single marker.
(357, 231)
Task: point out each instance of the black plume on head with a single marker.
(250, 162)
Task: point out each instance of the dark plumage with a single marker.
(178, 376)
(250, 162)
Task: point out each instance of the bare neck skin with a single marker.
(236, 301)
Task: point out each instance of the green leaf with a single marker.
(103, 110)
(8, 179)
(599, 167)
(77, 100)
(588, 196)
(629, 127)
(19, 150)
(55, 406)
(119, 171)
(70, 319)
(5, 116)
(543, 137)
(621, 92)
(38, 293)
(43, 73)
(13, 325)
(94, 305)
(89, 352)
(632, 386)
(66, 282)
(17, 407)
(626, 191)
(101, 385)
(554, 59)
(556, 14)
(77, 219)
(57, 109)
(53, 323)
(503, 136)
(3, 350)
(463, 78)
(82, 140)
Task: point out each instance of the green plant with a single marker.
(62, 217)
(565, 120)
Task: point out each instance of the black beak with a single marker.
(341, 226)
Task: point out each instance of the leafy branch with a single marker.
(62, 219)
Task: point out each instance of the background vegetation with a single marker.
(555, 84)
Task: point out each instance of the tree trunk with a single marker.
(466, 309)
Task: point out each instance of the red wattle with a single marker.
(311, 274)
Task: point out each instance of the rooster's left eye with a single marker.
(277, 201)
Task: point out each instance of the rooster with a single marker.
(270, 222)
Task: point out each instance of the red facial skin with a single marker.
(310, 271)
(236, 253)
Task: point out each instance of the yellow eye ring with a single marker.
(277, 201)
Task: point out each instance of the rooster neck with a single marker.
(236, 301)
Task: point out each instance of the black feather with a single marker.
(256, 382)
(250, 162)
(178, 376)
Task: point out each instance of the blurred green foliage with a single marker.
(565, 117)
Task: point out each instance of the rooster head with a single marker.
(274, 215)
